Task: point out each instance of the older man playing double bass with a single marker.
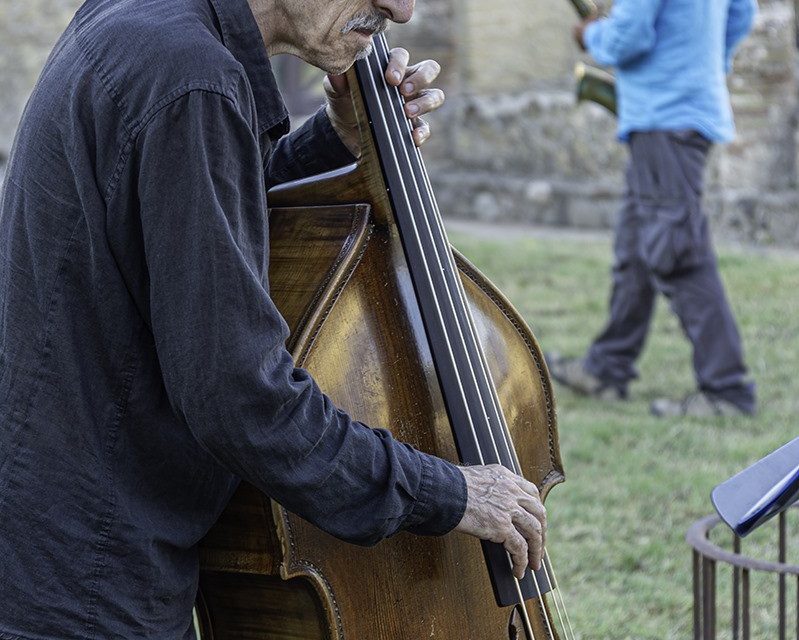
(143, 370)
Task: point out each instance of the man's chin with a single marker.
(338, 67)
(335, 69)
(364, 53)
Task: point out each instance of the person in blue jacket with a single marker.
(671, 59)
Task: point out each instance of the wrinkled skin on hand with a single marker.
(505, 508)
(414, 82)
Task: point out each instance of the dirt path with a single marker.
(510, 231)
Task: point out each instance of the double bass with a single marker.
(402, 332)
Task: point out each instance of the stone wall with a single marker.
(753, 180)
(28, 30)
(510, 144)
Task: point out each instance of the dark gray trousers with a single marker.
(663, 244)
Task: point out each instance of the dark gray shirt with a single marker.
(142, 362)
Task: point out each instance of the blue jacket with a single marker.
(671, 59)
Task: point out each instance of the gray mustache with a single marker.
(373, 21)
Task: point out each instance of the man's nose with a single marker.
(396, 10)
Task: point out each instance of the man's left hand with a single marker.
(414, 83)
(578, 32)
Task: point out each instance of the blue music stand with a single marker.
(761, 491)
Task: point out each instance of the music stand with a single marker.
(760, 491)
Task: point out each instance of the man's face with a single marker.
(332, 34)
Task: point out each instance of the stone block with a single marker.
(28, 30)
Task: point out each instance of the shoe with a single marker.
(696, 405)
(571, 373)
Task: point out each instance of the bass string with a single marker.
(375, 77)
(443, 266)
(371, 76)
(467, 320)
(420, 258)
(465, 316)
(407, 139)
(437, 220)
(549, 570)
(425, 268)
(446, 266)
(548, 567)
(437, 268)
(374, 73)
(454, 286)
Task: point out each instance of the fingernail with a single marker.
(397, 76)
(412, 108)
(408, 87)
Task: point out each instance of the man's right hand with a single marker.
(507, 509)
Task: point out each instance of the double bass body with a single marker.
(339, 275)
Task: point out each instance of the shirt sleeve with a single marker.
(220, 340)
(313, 148)
(740, 18)
(627, 33)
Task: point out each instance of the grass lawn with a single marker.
(635, 483)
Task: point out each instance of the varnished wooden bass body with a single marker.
(339, 276)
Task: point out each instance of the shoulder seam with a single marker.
(105, 80)
(133, 127)
(172, 97)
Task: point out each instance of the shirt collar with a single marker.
(241, 36)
